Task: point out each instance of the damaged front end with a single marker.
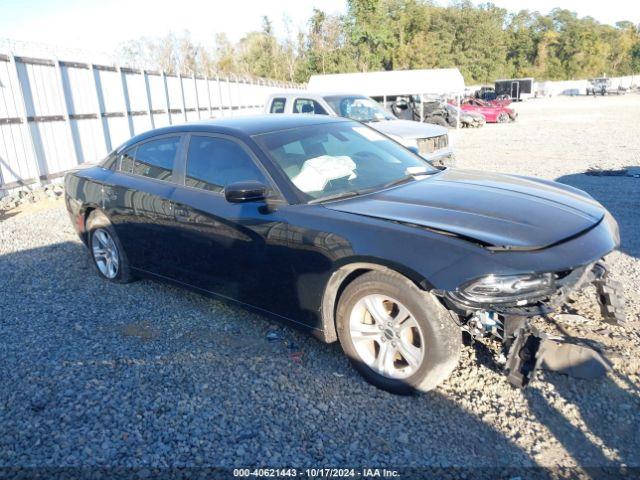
(503, 307)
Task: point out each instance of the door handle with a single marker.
(108, 193)
(181, 213)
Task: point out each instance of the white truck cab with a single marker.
(431, 141)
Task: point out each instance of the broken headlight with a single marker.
(508, 288)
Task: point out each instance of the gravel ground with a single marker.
(149, 376)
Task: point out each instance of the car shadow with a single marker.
(76, 349)
(5, 214)
(620, 194)
(605, 445)
(600, 432)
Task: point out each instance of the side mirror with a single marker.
(414, 149)
(241, 192)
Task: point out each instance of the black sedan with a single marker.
(329, 225)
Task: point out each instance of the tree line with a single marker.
(485, 42)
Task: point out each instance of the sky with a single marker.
(101, 25)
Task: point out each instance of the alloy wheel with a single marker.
(386, 336)
(105, 253)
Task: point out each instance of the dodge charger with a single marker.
(329, 225)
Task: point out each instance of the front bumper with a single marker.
(609, 296)
(567, 282)
(525, 349)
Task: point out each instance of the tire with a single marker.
(436, 120)
(503, 118)
(103, 237)
(428, 334)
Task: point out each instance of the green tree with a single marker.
(485, 42)
(369, 34)
(224, 56)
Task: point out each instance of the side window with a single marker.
(213, 163)
(305, 105)
(111, 162)
(126, 160)
(277, 105)
(154, 159)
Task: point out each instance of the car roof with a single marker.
(307, 94)
(242, 126)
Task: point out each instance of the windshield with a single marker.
(341, 159)
(362, 109)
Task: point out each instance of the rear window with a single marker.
(277, 105)
(154, 159)
(306, 105)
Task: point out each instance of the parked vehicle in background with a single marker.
(437, 112)
(488, 94)
(516, 88)
(468, 118)
(430, 141)
(408, 108)
(602, 86)
(598, 86)
(329, 225)
(502, 102)
(485, 93)
(491, 113)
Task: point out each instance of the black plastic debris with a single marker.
(578, 361)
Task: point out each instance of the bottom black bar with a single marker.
(398, 473)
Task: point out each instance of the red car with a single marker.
(492, 113)
(502, 102)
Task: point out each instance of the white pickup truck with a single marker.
(430, 141)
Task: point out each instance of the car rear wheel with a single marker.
(503, 118)
(398, 337)
(106, 250)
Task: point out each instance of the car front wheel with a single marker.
(397, 336)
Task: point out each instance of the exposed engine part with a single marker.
(483, 323)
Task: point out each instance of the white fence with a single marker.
(56, 114)
(579, 87)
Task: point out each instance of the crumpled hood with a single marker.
(503, 211)
(408, 128)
